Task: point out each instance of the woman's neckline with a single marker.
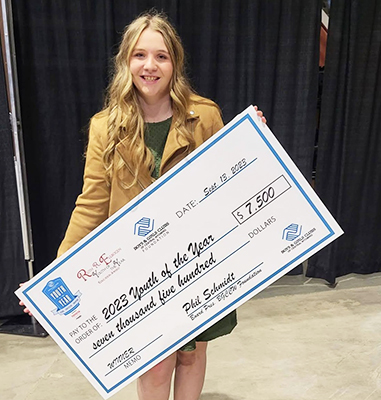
(158, 111)
(159, 122)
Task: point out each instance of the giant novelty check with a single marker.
(218, 228)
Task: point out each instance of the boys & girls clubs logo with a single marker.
(292, 232)
(145, 228)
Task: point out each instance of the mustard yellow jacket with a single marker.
(98, 200)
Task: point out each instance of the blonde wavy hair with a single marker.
(125, 115)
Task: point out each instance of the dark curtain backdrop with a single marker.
(13, 268)
(348, 175)
(239, 53)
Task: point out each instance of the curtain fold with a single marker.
(348, 172)
(239, 53)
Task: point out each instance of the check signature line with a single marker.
(234, 283)
(211, 269)
(133, 355)
(219, 186)
(154, 287)
(161, 305)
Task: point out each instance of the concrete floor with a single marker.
(297, 340)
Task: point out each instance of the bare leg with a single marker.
(155, 384)
(190, 373)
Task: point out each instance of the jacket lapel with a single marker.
(143, 179)
(176, 147)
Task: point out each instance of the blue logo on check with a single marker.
(292, 232)
(61, 296)
(144, 226)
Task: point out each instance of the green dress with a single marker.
(155, 137)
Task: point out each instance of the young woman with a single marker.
(152, 120)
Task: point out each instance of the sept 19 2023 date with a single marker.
(224, 177)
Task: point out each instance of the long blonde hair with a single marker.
(125, 115)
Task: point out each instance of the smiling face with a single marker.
(151, 67)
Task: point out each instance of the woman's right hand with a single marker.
(26, 310)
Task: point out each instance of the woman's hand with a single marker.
(260, 114)
(26, 310)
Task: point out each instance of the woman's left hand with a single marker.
(260, 114)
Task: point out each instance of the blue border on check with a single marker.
(149, 193)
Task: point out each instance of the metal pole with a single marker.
(19, 325)
(10, 68)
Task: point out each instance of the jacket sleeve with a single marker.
(92, 204)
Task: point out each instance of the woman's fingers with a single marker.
(26, 310)
(264, 120)
(260, 115)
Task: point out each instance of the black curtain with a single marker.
(13, 268)
(348, 175)
(239, 53)
(259, 52)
